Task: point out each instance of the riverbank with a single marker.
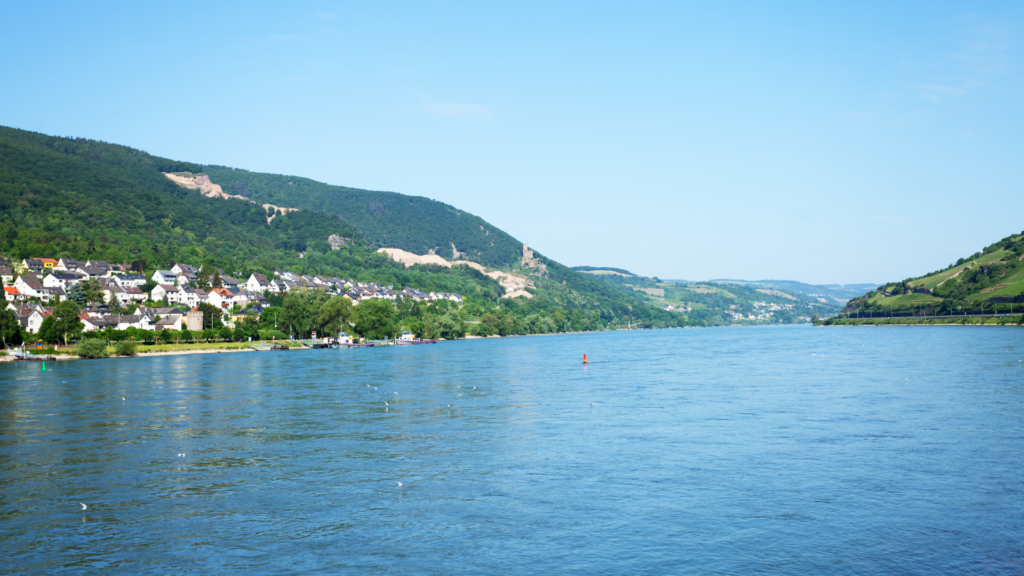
(142, 350)
(968, 321)
(163, 350)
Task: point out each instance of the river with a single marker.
(781, 450)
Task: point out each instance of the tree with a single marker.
(113, 303)
(203, 278)
(451, 327)
(139, 267)
(375, 319)
(46, 332)
(186, 335)
(300, 311)
(271, 317)
(93, 291)
(65, 320)
(815, 318)
(78, 295)
(10, 329)
(225, 333)
(92, 348)
(334, 315)
(211, 316)
(217, 282)
(166, 335)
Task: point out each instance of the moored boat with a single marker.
(410, 338)
(347, 341)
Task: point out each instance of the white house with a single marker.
(136, 280)
(30, 319)
(58, 280)
(93, 272)
(257, 283)
(186, 278)
(222, 298)
(192, 297)
(67, 265)
(132, 294)
(30, 286)
(168, 290)
(228, 282)
(180, 269)
(131, 321)
(12, 294)
(165, 277)
(94, 323)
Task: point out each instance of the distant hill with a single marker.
(387, 219)
(729, 301)
(834, 293)
(987, 281)
(599, 270)
(81, 198)
(88, 199)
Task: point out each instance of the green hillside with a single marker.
(74, 197)
(88, 199)
(725, 302)
(988, 281)
(837, 294)
(596, 270)
(387, 219)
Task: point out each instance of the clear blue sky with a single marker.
(810, 141)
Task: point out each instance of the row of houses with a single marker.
(97, 316)
(92, 267)
(48, 279)
(356, 291)
(124, 288)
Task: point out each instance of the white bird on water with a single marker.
(122, 398)
(399, 483)
(84, 507)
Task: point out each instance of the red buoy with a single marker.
(584, 358)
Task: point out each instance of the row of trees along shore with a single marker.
(299, 313)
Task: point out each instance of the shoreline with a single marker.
(62, 357)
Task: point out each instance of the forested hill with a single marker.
(988, 281)
(74, 197)
(88, 199)
(387, 219)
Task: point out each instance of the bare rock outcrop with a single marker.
(337, 241)
(514, 284)
(202, 183)
(528, 261)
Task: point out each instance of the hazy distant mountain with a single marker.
(837, 293)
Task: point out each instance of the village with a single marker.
(168, 299)
(762, 311)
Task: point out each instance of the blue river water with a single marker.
(775, 450)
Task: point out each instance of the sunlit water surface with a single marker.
(785, 450)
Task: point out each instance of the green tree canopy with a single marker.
(65, 320)
(334, 315)
(10, 329)
(375, 319)
(451, 327)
